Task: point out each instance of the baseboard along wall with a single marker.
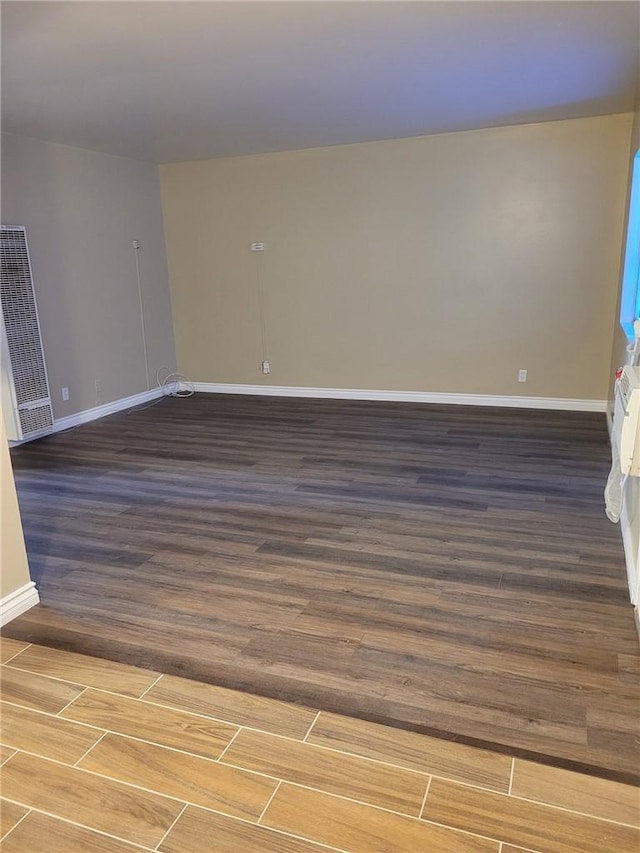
(18, 602)
(107, 409)
(557, 403)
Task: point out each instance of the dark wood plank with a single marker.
(445, 569)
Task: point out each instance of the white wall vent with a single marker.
(25, 388)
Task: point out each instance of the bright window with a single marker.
(630, 300)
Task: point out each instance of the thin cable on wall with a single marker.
(136, 249)
(263, 324)
(173, 384)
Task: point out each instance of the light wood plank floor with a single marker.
(444, 569)
(99, 756)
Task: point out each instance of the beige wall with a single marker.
(441, 263)
(15, 571)
(82, 210)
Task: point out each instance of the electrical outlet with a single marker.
(65, 393)
(522, 376)
(266, 367)
(98, 389)
(257, 247)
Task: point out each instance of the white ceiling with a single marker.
(170, 81)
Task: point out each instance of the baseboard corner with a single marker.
(18, 602)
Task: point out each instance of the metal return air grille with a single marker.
(21, 318)
(36, 419)
(22, 334)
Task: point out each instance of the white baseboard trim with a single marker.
(631, 557)
(18, 602)
(107, 409)
(405, 396)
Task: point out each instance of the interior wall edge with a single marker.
(15, 575)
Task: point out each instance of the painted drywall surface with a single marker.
(82, 210)
(15, 570)
(440, 263)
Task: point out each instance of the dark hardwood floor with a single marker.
(439, 568)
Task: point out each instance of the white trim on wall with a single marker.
(107, 409)
(558, 403)
(97, 412)
(18, 602)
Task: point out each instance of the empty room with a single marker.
(321, 427)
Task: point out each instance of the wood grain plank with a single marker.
(413, 751)
(337, 773)
(187, 777)
(196, 828)
(9, 648)
(97, 803)
(10, 814)
(45, 735)
(520, 822)
(236, 707)
(42, 832)
(576, 791)
(36, 691)
(85, 670)
(163, 726)
(353, 826)
(629, 666)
